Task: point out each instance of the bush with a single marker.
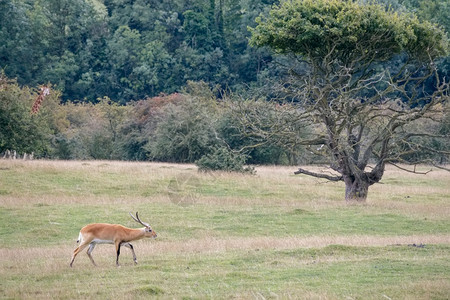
(184, 132)
(223, 159)
(22, 129)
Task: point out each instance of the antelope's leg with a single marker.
(89, 251)
(77, 250)
(128, 245)
(118, 244)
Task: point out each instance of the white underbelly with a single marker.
(98, 241)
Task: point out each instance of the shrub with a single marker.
(184, 132)
(224, 160)
(21, 129)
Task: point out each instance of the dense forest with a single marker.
(144, 79)
(129, 50)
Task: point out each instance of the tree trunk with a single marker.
(356, 189)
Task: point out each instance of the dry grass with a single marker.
(19, 258)
(211, 245)
(396, 184)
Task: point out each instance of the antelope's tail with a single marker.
(79, 237)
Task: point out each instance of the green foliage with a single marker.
(185, 132)
(344, 30)
(140, 124)
(151, 75)
(21, 130)
(132, 50)
(93, 131)
(222, 159)
(195, 25)
(127, 51)
(436, 11)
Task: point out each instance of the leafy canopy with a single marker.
(347, 31)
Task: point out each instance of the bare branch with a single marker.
(319, 175)
(410, 171)
(441, 167)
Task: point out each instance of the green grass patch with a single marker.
(330, 272)
(42, 224)
(221, 235)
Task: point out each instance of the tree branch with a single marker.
(319, 175)
(410, 171)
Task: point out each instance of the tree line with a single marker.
(130, 50)
(180, 127)
(163, 80)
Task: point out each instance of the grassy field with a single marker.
(269, 236)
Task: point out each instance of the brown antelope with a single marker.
(101, 233)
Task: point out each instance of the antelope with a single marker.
(101, 233)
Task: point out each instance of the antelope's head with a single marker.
(148, 229)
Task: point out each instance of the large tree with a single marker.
(360, 81)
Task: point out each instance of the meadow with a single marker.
(273, 235)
